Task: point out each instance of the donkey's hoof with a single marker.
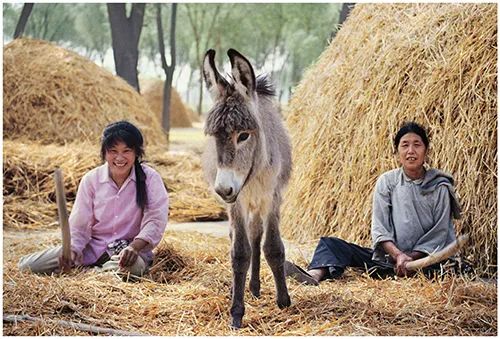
(255, 290)
(284, 302)
(236, 323)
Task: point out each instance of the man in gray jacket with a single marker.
(411, 218)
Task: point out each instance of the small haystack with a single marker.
(29, 189)
(53, 95)
(153, 95)
(433, 63)
(195, 117)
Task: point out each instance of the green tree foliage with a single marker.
(282, 39)
(92, 27)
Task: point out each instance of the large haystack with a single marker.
(29, 189)
(153, 94)
(52, 95)
(433, 63)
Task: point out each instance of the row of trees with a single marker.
(281, 39)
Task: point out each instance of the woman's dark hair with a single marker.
(411, 127)
(127, 133)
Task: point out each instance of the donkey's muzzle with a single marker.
(227, 194)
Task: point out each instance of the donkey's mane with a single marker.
(265, 86)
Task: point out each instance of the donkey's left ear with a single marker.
(243, 73)
(216, 84)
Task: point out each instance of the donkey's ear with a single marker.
(216, 84)
(243, 74)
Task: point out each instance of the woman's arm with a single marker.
(381, 228)
(81, 218)
(155, 217)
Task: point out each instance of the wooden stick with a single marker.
(63, 214)
(434, 258)
(13, 318)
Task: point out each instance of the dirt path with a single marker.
(219, 229)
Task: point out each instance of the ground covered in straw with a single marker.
(187, 293)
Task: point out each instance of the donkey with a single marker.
(247, 162)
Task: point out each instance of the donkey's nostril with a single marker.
(224, 192)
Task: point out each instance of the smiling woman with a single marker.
(120, 211)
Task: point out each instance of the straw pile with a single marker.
(29, 189)
(193, 115)
(53, 95)
(432, 63)
(153, 95)
(193, 298)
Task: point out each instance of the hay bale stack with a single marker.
(432, 63)
(29, 189)
(153, 94)
(193, 114)
(53, 95)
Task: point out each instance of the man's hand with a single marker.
(401, 260)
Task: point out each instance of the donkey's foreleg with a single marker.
(240, 261)
(255, 235)
(274, 252)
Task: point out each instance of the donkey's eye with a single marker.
(243, 136)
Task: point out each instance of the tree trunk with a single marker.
(125, 34)
(344, 13)
(23, 20)
(190, 81)
(169, 69)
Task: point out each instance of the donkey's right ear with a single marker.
(216, 84)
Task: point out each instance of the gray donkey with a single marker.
(248, 163)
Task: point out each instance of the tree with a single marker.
(169, 69)
(92, 27)
(23, 20)
(125, 35)
(344, 13)
(202, 19)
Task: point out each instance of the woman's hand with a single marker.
(401, 260)
(67, 264)
(128, 256)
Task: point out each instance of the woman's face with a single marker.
(412, 152)
(120, 159)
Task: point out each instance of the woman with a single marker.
(120, 211)
(411, 218)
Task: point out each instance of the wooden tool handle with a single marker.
(434, 258)
(63, 214)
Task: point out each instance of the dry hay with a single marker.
(53, 95)
(153, 95)
(433, 63)
(29, 188)
(194, 298)
(194, 116)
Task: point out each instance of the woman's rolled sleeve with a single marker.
(155, 216)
